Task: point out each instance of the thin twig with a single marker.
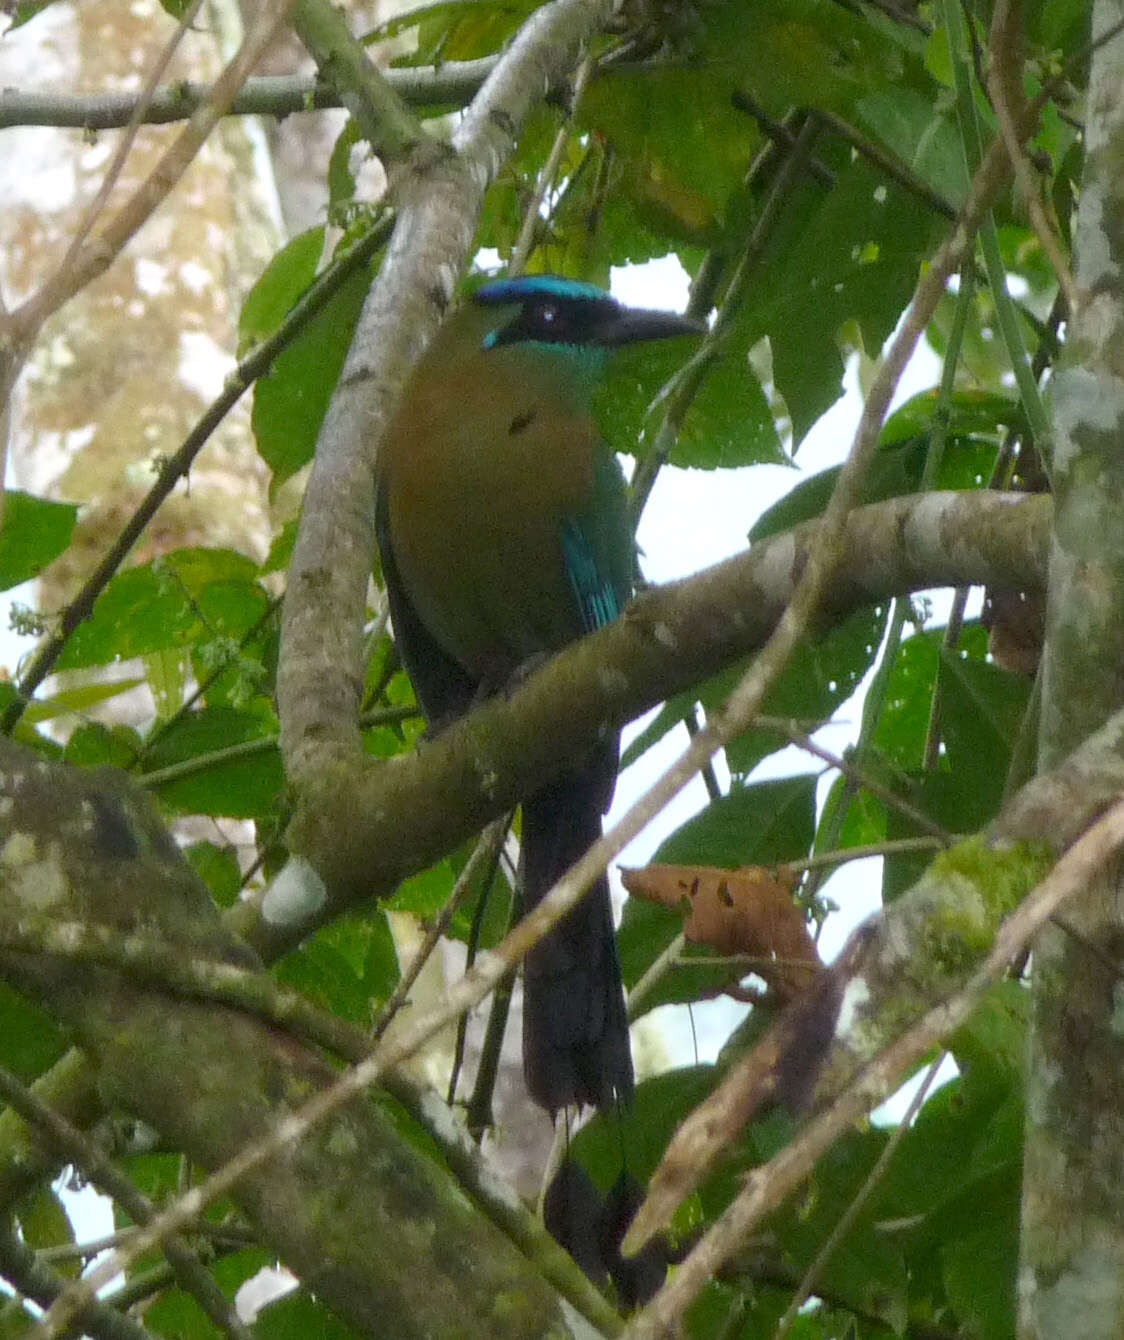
(526, 239)
(1003, 86)
(483, 854)
(689, 382)
(33, 1279)
(151, 963)
(128, 138)
(887, 163)
(857, 775)
(655, 973)
(933, 457)
(451, 83)
(891, 847)
(845, 1221)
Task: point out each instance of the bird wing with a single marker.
(597, 547)
(444, 688)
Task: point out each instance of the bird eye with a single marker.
(548, 313)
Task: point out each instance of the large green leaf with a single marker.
(981, 711)
(460, 29)
(681, 147)
(34, 533)
(806, 53)
(929, 145)
(752, 825)
(297, 1317)
(291, 399)
(658, 1107)
(852, 259)
(904, 723)
(240, 787)
(867, 1269)
(345, 966)
(29, 1041)
(166, 603)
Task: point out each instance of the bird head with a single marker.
(567, 315)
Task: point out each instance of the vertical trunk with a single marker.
(1072, 1269)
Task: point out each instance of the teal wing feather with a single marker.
(598, 549)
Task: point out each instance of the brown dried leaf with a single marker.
(747, 912)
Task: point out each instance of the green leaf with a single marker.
(680, 145)
(925, 138)
(819, 677)
(971, 419)
(291, 399)
(25, 10)
(991, 1047)
(426, 893)
(462, 29)
(645, 932)
(867, 1270)
(658, 1107)
(1058, 24)
(752, 825)
(285, 278)
(78, 700)
(34, 533)
(981, 1267)
(981, 712)
(238, 788)
(944, 798)
(281, 550)
(29, 1041)
(155, 606)
(730, 422)
(803, 53)
(854, 261)
(43, 1223)
(96, 745)
(218, 868)
(895, 471)
(297, 1317)
(345, 966)
(902, 727)
(178, 1316)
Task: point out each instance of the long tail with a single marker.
(575, 1029)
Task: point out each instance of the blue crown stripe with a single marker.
(501, 291)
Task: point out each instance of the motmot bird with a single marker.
(503, 528)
